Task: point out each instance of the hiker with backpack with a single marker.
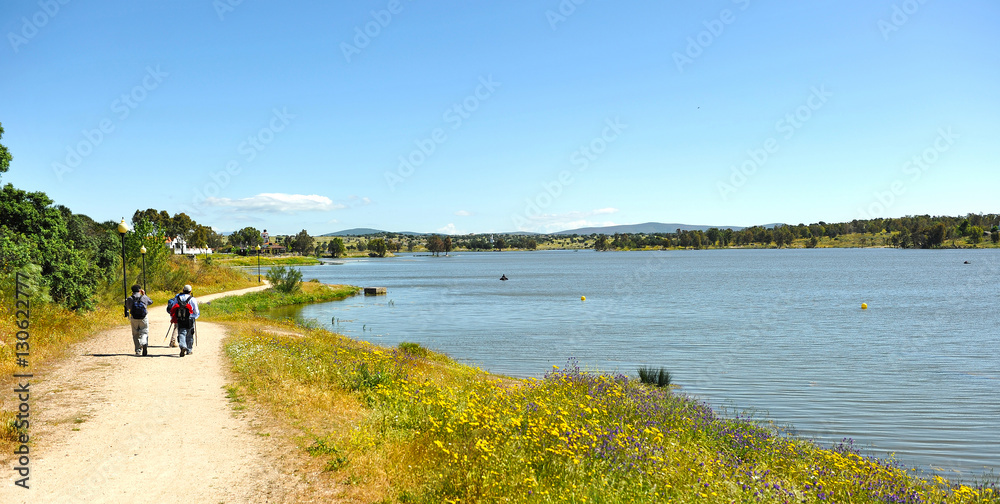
(136, 305)
(183, 309)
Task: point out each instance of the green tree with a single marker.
(199, 237)
(336, 247)
(378, 247)
(215, 240)
(145, 234)
(601, 243)
(976, 234)
(159, 218)
(446, 245)
(5, 157)
(302, 243)
(181, 225)
(935, 237)
(995, 235)
(499, 243)
(713, 235)
(30, 219)
(435, 245)
(247, 237)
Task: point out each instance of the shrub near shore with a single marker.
(407, 425)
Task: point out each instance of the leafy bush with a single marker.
(286, 280)
(412, 349)
(659, 377)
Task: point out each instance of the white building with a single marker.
(179, 246)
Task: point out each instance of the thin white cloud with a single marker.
(463, 213)
(449, 229)
(551, 223)
(355, 200)
(278, 203)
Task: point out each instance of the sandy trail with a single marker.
(111, 427)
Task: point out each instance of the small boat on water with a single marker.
(503, 277)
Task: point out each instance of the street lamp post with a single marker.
(143, 250)
(258, 263)
(122, 229)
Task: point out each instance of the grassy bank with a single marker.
(236, 307)
(251, 260)
(53, 328)
(408, 425)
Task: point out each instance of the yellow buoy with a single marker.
(864, 306)
(583, 298)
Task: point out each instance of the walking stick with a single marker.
(194, 329)
(169, 328)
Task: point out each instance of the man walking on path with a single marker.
(183, 309)
(136, 306)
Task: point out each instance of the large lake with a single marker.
(778, 332)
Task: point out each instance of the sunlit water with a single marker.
(778, 332)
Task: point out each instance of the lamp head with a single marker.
(122, 227)
(258, 247)
(142, 249)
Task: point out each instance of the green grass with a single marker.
(659, 377)
(251, 260)
(235, 307)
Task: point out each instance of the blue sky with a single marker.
(497, 116)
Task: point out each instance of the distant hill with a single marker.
(370, 231)
(645, 228)
(356, 232)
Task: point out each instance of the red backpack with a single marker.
(181, 312)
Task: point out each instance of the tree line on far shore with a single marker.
(904, 232)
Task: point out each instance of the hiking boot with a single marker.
(182, 352)
(144, 350)
(138, 353)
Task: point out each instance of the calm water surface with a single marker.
(778, 332)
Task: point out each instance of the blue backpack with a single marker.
(138, 309)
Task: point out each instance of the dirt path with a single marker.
(113, 427)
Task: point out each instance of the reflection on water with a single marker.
(778, 331)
